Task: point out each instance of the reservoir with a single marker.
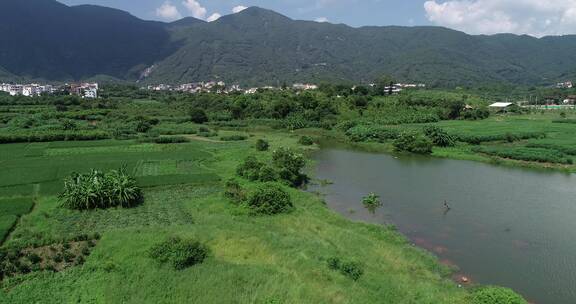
(511, 227)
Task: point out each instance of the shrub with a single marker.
(234, 138)
(496, 295)
(371, 202)
(262, 145)
(478, 139)
(414, 143)
(171, 140)
(179, 253)
(352, 270)
(439, 136)
(250, 168)
(306, 141)
(234, 191)
(270, 199)
(100, 190)
(289, 164)
(198, 116)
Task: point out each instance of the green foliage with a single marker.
(541, 155)
(262, 145)
(270, 199)
(413, 143)
(439, 136)
(179, 253)
(198, 116)
(496, 295)
(306, 141)
(100, 190)
(349, 269)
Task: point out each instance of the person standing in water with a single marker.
(446, 206)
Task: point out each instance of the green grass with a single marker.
(10, 210)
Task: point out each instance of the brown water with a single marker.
(507, 226)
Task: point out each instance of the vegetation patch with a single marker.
(496, 295)
(179, 253)
(526, 154)
(54, 257)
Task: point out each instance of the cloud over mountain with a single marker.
(533, 17)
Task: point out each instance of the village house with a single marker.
(501, 107)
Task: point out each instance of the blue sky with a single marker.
(533, 17)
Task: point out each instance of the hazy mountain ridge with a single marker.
(259, 46)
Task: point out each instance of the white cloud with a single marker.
(321, 19)
(533, 17)
(168, 11)
(238, 8)
(214, 17)
(195, 8)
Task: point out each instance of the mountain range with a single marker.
(49, 41)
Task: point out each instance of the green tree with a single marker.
(198, 116)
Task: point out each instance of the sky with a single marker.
(532, 17)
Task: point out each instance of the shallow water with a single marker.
(507, 226)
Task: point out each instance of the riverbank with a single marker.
(551, 136)
(279, 259)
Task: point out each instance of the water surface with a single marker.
(507, 226)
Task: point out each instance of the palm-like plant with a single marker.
(100, 190)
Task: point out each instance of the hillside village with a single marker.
(84, 90)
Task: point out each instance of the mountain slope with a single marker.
(45, 39)
(259, 46)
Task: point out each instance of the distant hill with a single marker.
(45, 39)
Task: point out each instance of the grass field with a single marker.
(278, 259)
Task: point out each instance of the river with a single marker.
(511, 227)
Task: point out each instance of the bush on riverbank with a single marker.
(496, 295)
(540, 155)
(413, 143)
(439, 136)
(509, 137)
(270, 199)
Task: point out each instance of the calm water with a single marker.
(509, 227)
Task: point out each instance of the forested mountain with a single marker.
(45, 39)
